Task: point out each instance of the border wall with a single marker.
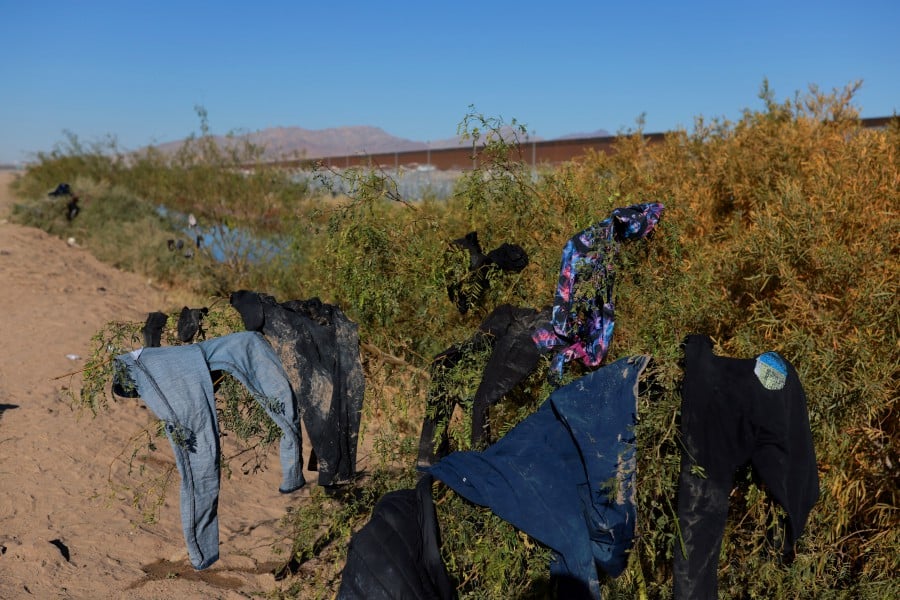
(535, 153)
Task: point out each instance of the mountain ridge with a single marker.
(280, 142)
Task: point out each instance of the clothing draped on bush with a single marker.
(466, 286)
(397, 553)
(505, 336)
(736, 411)
(175, 383)
(565, 474)
(581, 326)
(319, 347)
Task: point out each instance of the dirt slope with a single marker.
(64, 532)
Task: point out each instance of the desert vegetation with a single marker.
(781, 232)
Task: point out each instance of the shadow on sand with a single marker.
(6, 407)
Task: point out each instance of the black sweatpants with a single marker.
(737, 411)
(506, 333)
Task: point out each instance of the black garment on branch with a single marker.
(506, 333)
(510, 258)
(319, 348)
(153, 328)
(189, 323)
(736, 411)
(397, 554)
(72, 208)
(63, 189)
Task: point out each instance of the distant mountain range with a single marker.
(296, 142)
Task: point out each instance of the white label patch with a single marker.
(771, 370)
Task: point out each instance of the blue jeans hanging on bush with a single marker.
(549, 475)
(175, 384)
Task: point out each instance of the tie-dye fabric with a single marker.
(583, 311)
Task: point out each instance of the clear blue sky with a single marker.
(136, 70)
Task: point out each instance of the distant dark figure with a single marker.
(62, 189)
(180, 245)
(199, 241)
(72, 208)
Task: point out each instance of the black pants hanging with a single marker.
(734, 412)
(319, 347)
(398, 552)
(506, 334)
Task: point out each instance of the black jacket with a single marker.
(397, 554)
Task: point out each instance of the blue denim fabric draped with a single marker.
(550, 476)
(175, 384)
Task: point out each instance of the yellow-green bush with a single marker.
(781, 232)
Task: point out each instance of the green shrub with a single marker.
(780, 233)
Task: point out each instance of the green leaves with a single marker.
(780, 233)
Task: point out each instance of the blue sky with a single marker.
(136, 70)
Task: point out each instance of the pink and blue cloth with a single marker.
(581, 326)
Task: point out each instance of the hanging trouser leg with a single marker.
(702, 512)
(439, 408)
(175, 384)
(187, 407)
(514, 358)
(153, 329)
(352, 384)
(253, 362)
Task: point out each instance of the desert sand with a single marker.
(65, 530)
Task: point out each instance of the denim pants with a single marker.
(175, 384)
(565, 475)
(319, 348)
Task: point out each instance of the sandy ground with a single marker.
(64, 530)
